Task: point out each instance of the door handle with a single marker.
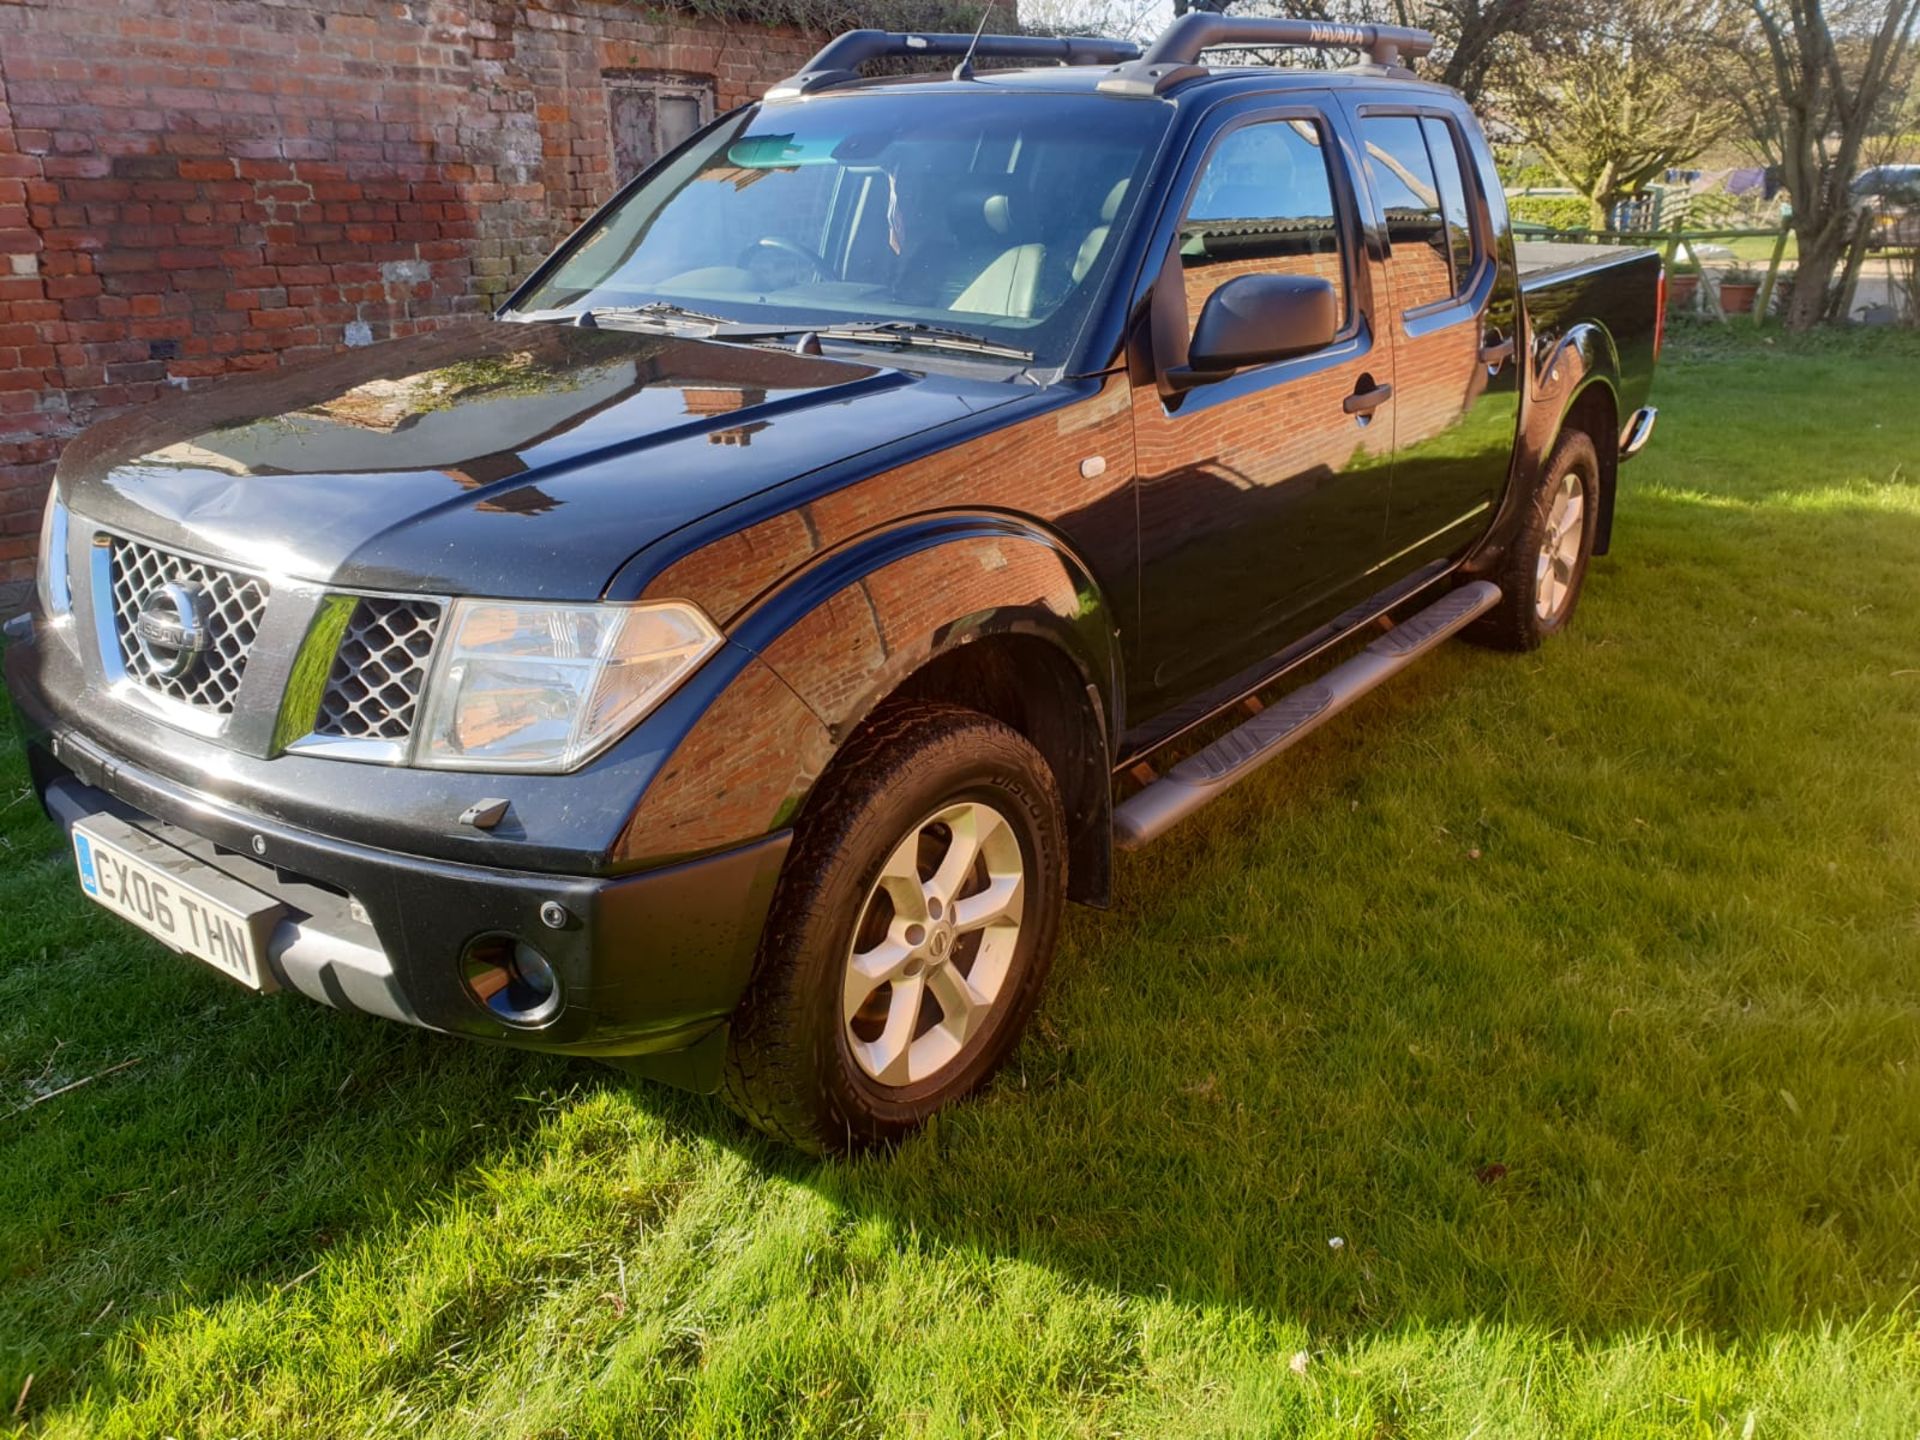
(1497, 354)
(1365, 402)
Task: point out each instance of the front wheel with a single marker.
(1544, 570)
(910, 936)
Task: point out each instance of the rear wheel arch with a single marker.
(1595, 413)
(1579, 390)
(1575, 387)
(1583, 398)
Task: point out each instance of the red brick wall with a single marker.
(189, 187)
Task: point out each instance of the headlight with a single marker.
(547, 687)
(50, 573)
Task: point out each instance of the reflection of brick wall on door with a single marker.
(1437, 376)
(219, 185)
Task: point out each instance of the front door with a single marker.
(1451, 305)
(1262, 497)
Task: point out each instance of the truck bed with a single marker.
(1541, 257)
(1613, 290)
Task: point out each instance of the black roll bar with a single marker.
(1175, 56)
(1170, 60)
(1182, 41)
(840, 59)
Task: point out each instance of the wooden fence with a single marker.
(1901, 236)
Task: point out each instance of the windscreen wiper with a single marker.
(661, 311)
(719, 327)
(875, 332)
(918, 332)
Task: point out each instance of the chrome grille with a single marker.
(378, 674)
(235, 604)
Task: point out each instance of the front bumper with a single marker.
(649, 962)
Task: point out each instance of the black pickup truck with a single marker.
(728, 659)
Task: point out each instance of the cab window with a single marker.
(1445, 151)
(1263, 205)
(1413, 166)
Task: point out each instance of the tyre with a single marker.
(1541, 577)
(910, 934)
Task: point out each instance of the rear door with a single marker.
(1263, 497)
(1451, 305)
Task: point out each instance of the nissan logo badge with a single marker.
(172, 629)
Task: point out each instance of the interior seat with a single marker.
(1010, 282)
(1096, 239)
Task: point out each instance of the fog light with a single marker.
(512, 979)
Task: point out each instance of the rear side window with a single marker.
(1453, 196)
(1263, 205)
(1415, 172)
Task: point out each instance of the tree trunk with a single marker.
(1821, 250)
(1601, 195)
(1823, 113)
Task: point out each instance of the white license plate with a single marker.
(184, 902)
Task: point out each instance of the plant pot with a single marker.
(1681, 290)
(1736, 296)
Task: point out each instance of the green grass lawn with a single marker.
(1757, 250)
(1534, 1052)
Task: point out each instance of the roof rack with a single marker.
(1174, 57)
(840, 59)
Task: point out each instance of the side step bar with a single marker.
(1209, 773)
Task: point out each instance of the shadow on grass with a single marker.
(1573, 990)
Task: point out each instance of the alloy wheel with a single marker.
(934, 945)
(1560, 548)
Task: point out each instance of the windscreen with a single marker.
(992, 212)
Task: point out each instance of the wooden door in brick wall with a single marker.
(650, 113)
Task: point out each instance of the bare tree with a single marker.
(1823, 76)
(1476, 35)
(1615, 103)
(1473, 37)
(1125, 19)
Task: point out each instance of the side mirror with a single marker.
(1257, 318)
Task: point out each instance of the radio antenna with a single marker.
(964, 70)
